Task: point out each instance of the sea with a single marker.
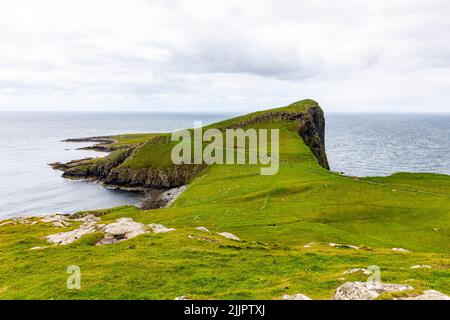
(356, 144)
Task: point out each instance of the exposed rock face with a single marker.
(89, 225)
(202, 229)
(99, 170)
(202, 239)
(428, 295)
(64, 238)
(171, 195)
(229, 236)
(38, 248)
(57, 221)
(18, 220)
(400, 250)
(71, 164)
(104, 144)
(297, 296)
(356, 270)
(7, 223)
(424, 266)
(310, 126)
(312, 130)
(159, 228)
(338, 245)
(123, 229)
(366, 291)
(63, 221)
(160, 198)
(89, 218)
(170, 177)
(109, 171)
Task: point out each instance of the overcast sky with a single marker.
(232, 56)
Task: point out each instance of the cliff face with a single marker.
(312, 129)
(114, 170)
(310, 126)
(170, 177)
(111, 172)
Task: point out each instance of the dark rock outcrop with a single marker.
(310, 126)
(312, 129)
(103, 144)
(98, 168)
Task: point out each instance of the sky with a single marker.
(224, 56)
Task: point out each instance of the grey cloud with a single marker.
(243, 57)
(223, 53)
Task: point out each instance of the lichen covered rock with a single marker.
(428, 295)
(229, 236)
(68, 237)
(297, 296)
(159, 228)
(366, 290)
(123, 229)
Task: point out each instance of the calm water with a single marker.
(357, 144)
(381, 144)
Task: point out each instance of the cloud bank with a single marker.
(237, 56)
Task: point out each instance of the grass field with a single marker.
(274, 216)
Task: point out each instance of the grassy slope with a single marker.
(275, 216)
(127, 140)
(157, 154)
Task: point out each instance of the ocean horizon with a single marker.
(357, 144)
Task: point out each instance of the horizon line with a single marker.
(215, 112)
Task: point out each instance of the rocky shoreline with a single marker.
(63, 166)
(154, 198)
(102, 144)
